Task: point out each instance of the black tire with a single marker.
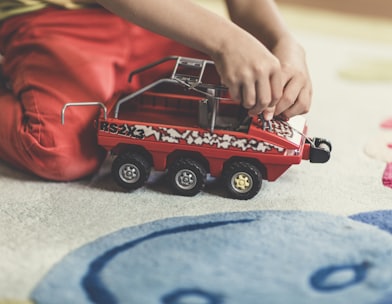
(324, 144)
(242, 180)
(131, 170)
(187, 177)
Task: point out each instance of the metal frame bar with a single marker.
(79, 104)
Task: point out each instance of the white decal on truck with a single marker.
(199, 138)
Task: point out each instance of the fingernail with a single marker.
(268, 115)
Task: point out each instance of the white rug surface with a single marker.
(40, 221)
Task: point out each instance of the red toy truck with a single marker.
(190, 128)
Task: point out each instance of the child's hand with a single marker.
(255, 56)
(250, 71)
(297, 92)
(261, 18)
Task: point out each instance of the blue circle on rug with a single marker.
(245, 257)
(381, 219)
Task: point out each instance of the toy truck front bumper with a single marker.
(317, 150)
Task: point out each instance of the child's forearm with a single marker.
(261, 18)
(251, 54)
(183, 21)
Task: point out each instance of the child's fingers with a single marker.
(268, 113)
(277, 83)
(296, 97)
(263, 96)
(268, 93)
(289, 97)
(248, 98)
(301, 105)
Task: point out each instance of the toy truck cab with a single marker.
(190, 128)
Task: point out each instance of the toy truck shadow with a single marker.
(189, 128)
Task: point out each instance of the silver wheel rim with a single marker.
(242, 182)
(129, 173)
(186, 179)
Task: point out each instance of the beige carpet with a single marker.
(40, 221)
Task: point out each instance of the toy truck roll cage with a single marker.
(190, 81)
(187, 124)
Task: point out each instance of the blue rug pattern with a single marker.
(230, 258)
